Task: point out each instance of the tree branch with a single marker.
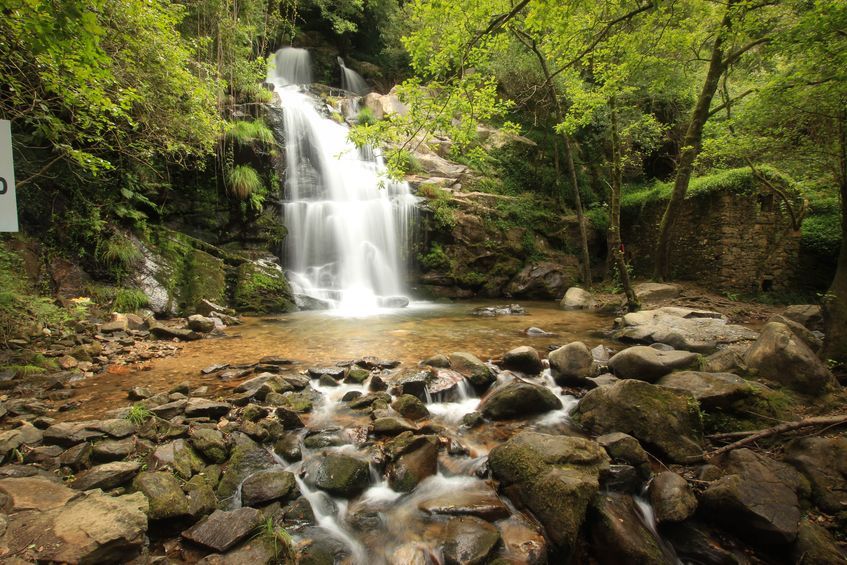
(730, 102)
(735, 55)
(40, 171)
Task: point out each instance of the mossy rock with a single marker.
(262, 290)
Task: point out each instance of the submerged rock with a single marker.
(518, 400)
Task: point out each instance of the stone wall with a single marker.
(726, 241)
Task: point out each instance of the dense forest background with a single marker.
(132, 115)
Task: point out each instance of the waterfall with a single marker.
(351, 81)
(349, 225)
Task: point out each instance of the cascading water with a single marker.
(349, 225)
(351, 81)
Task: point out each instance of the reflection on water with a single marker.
(318, 338)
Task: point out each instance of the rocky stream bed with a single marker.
(548, 452)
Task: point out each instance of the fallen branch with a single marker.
(756, 435)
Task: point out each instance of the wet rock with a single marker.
(391, 426)
(324, 438)
(337, 474)
(780, 356)
(523, 541)
(753, 499)
(288, 418)
(712, 390)
(179, 456)
(504, 310)
(524, 359)
(209, 443)
(578, 299)
(815, 545)
(656, 292)
(671, 497)
(823, 461)
(572, 364)
(247, 457)
(336, 373)
(659, 418)
(477, 372)
(26, 434)
(222, 530)
(113, 450)
(412, 467)
(326, 380)
(682, 328)
(648, 364)
(92, 528)
(357, 376)
(200, 323)
(202, 408)
(351, 395)
(483, 504)
(106, 476)
(299, 402)
(267, 486)
(624, 448)
(367, 400)
(377, 384)
(553, 476)
(445, 385)
(518, 400)
(621, 478)
(619, 536)
(697, 542)
(439, 361)
(33, 493)
(254, 412)
(164, 495)
(410, 407)
(468, 540)
(392, 301)
(413, 383)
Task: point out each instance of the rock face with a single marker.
(577, 299)
(542, 280)
(671, 498)
(554, 476)
(824, 463)
(572, 364)
(780, 356)
(91, 528)
(660, 419)
(619, 535)
(681, 328)
(518, 400)
(649, 364)
(712, 390)
(754, 498)
(524, 359)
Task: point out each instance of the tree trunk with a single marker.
(614, 235)
(834, 304)
(690, 149)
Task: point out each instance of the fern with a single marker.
(244, 181)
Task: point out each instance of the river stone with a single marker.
(572, 364)
(698, 542)
(523, 540)
(367, 400)
(246, 457)
(164, 495)
(166, 332)
(113, 449)
(200, 323)
(660, 419)
(68, 434)
(483, 504)
(518, 399)
(223, 529)
(339, 475)
(445, 385)
(438, 361)
(467, 540)
(727, 360)
(624, 448)
(619, 535)
(648, 364)
(26, 434)
(336, 373)
(682, 328)
(555, 477)
(93, 528)
(477, 372)
(577, 299)
(326, 380)
(201, 495)
(524, 359)
(753, 498)
(210, 443)
(106, 476)
(414, 383)
(357, 375)
(412, 467)
(823, 460)
(179, 456)
(169, 410)
(410, 407)
(780, 356)
(202, 408)
(815, 545)
(289, 419)
(809, 315)
(390, 426)
(267, 486)
(712, 390)
(33, 493)
(671, 497)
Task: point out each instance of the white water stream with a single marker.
(349, 225)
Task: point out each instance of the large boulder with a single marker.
(555, 477)
(543, 280)
(619, 535)
(780, 356)
(662, 420)
(823, 460)
(578, 299)
(524, 359)
(477, 372)
(681, 328)
(755, 498)
(712, 390)
(808, 315)
(518, 399)
(572, 364)
(649, 364)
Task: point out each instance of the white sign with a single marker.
(8, 203)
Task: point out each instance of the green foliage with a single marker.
(138, 414)
(129, 300)
(244, 132)
(279, 539)
(243, 181)
(442, 206)
(821, 229)
(599, 217)
(118, 251)
(22, 371)
(435, 259)
(365, 117)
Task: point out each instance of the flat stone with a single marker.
(170, 409)
(482, 504)
(202, 408)
(682, 328)
(106, 476)
(648, 364)
(656, 292)
(113, 449)
(26, 434)
(712, 390)
(70, 433)
(34, 493)
(214, 368)
(267, 486)
(223, 529)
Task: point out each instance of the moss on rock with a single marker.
(262, 289)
